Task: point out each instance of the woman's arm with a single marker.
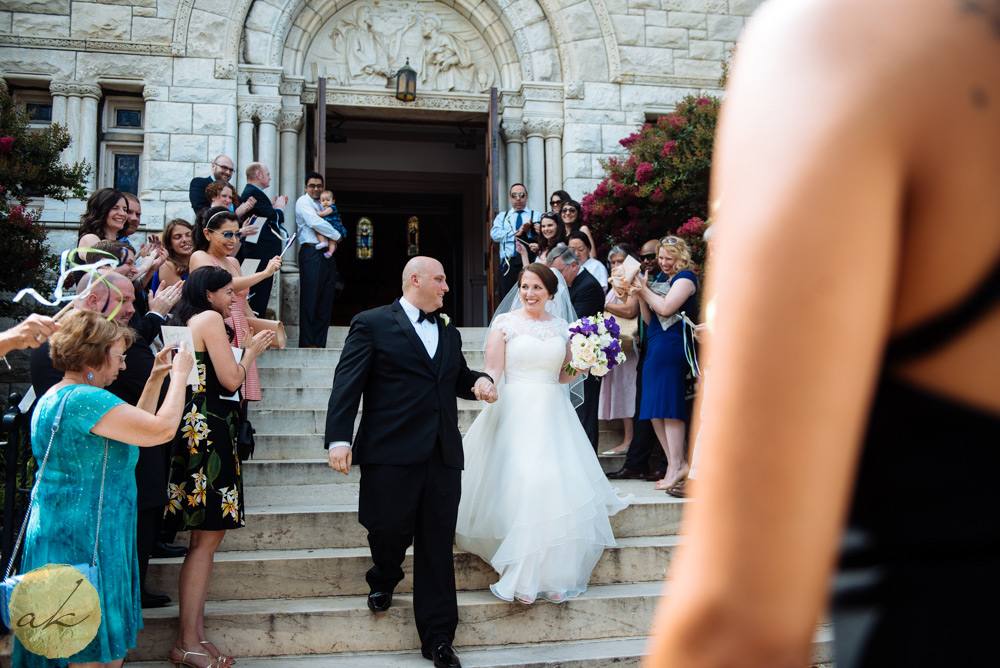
(168, 274)
(496, 349)
(627, 310)
(151, 391)
(87, 241)
(565, 376)
(137, 426)
(245, 282)
(789, 400)
(668, 304)
(209, 329)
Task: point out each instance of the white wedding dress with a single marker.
(535, 501)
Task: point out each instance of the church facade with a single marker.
(153, 90)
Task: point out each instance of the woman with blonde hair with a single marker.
(664, 371)
(85, 490)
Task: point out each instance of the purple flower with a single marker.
(612, 326)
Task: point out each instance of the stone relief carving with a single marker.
(245, 112)
(150, 93)
(574, 90)
(75, 89)
(268, 113)
(290, 121)
(513, 131)
(225, 68)
(368, 43)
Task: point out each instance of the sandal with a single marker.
(221, 659)
(677, 491)
(184, 662)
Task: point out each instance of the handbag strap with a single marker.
(38, 478)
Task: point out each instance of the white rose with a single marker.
(599, 370)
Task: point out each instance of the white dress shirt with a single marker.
(597, 270)
(427, 332)
(308, 222)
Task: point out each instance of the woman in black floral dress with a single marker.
(205, 486)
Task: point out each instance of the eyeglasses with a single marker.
(518, 195)
(223, 167)
(648, 257)
(121, 358)
(225, 235)
(670, 240)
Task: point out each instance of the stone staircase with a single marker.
(289, 588)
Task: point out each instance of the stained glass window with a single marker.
(127, 172)
(365, 239)
(413, 236)
(128, 118)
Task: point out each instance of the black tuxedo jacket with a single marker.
(409, 399)
(269, 239)
(196, 193)
(586, 295)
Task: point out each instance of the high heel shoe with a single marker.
(663, 485)
(184, 662)
(222, 659)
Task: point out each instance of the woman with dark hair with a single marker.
(86, 492)
(542, 532)
(557, 199)
(105, 217)
(215, 238)
(572, 218)
(551, 233)
(205, 486)
(178, 241)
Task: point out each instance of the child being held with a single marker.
(329, 213)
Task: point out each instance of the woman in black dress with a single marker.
(205, 486)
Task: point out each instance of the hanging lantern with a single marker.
(366, 239)
(406, 83)
(413, 236)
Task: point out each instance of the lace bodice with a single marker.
(535, 348)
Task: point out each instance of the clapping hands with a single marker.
(485, 390)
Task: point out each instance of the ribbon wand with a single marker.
(288, 244)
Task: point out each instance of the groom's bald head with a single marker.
(424, 283)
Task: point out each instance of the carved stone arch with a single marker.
(182, 19)
(560, 37)
(610, 42)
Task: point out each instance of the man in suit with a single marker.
(644, 441)
(516, 223)
(407, 363)
(588, 300)
(270, 241)
(222, 168)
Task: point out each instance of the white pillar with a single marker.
(88, 131)
(231, 147)
(59, 92)
(289, 124)
(149, 94)
(535, 182)
(244, 150)
(267, 143)
(72, 152)
(513, 134)
(553, 155)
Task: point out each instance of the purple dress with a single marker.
(618, 387)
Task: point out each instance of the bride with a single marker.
(535, 501)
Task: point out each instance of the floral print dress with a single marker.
(205, 486)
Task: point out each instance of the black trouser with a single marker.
(509, 280)
(587, 411)
(643, 437)
(317, 283)
(147, 529)
(419, 504)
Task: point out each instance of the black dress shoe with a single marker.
(379, 601)
(154, 600)
(654, 476)
(626, 474)
(161, 550)
(443, 655)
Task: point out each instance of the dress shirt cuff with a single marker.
(336, 444)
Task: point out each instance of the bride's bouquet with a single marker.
(595, 345)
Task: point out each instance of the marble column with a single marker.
(72, 152)
(553, 155)
(90, 94)
(149, 94)
(59, 91)
(535, 182)
(267, 143)
(230, 146)
(513, 136)
(290, 184)
(244, 150)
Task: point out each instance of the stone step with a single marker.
(611, 653)
(274, 472)
(337, 335)
(327, 517)
(328, 357)
(341, 571)
(293, 445)
(324, 625)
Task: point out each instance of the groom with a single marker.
(408, 365)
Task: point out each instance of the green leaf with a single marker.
(214, 467)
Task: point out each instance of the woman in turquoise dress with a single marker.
(63, 519)
(205, 484)
(665, 367)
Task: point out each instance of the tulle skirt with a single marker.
(535, 501)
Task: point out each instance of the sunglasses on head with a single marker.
(670, 240)
(225, 235)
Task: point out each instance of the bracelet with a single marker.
(240, 365)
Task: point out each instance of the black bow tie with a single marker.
(429, 317)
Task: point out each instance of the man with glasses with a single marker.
(222, 169)
(317, 273)
(511, 228)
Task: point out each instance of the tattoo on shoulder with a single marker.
(986, 9)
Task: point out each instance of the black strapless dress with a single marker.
(919, 573)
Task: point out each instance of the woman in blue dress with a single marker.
(665, 368)
(63, 521)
